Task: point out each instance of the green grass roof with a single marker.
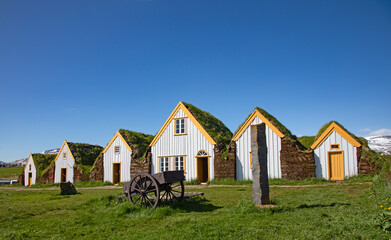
(213, 126)
(324, 127)
(273, 121)
(43, 161)
(85, 154)
(306, 141)
(137, 140)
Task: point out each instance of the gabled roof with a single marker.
(211, 128)
(328, 129)
(117, 134)
(82, 153)
(132, 140)
(268, 119)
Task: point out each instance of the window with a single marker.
(180, 126)
(116, 149)
(334, 146)
(30, 167)
(202, 153)
(179, 162)
(64, 155)
(164, 163)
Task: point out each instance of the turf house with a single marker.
(286, 157)
(125, 146)
(337, 152)
(194, 141)
(36, 165)
(74, 162)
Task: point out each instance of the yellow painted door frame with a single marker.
(63, 176)
(201, 168)
(30, 179)
(336, 166)
(116, 172)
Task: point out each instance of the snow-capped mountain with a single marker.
(380, 144)
(22, 162)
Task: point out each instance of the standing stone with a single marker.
(259, 164)
(67, 188)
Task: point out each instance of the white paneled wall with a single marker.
(187, 145)
(67, 163)
(27, 170)
(124, 157)
(243, 149)
(349, 153)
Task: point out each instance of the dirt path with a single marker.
(190, 186)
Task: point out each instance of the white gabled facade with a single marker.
(64, 162)
(30, 172)
(335, 146)
(243, 147)
(121, 157)
(170, 146)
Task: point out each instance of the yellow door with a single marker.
(202, 169)
(336, 166)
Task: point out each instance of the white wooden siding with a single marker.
(33, 171)
(124, 157)
(349, 154)
(243, 149)
(187, 145)
(67, 163)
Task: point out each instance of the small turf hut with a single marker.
(337, 152)
(125, 146)
(35, 166)
(194, 141)
(74, 161)
(286, 157)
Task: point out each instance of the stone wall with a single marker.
(48, 176)
(225, 167)
(21, 179)
(141, 166)
(78, 176)
(364, 165)
(295, 163)
(97, 171)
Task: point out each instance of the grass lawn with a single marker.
(315, 212)
(10, 173)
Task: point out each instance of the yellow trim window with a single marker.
(179, 163)
(116, 149)
(180, 126)
(164, 164)
(64, 155)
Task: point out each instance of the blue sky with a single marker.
(80, 70)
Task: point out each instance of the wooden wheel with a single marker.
(144, 190)
(172, 191)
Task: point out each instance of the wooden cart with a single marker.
(147, 190)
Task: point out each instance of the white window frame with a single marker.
(164, 164)
(180, 126)
(177, 163)
(119, 149)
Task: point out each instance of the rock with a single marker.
(67, 188)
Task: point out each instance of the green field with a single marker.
(342, 211)
(10, 173)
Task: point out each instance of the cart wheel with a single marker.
(172, 191)
(143, 189)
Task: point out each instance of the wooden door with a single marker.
(63, 175)
(30, 179)
(202, 169)
(336, 166)
(116, 173)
